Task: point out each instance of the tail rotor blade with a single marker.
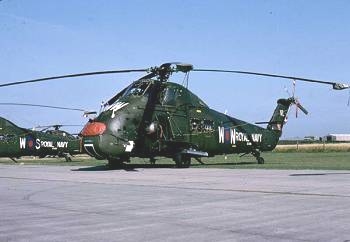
(301, 108)
(294, 85)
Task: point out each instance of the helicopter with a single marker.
(154, 117)
(16, 141)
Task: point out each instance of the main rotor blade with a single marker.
(42, 106)
(335, 85)
(72, 75)
(58, 125)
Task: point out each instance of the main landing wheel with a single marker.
(182, 161)
(260, 160)
(116, 163)
(152, 160)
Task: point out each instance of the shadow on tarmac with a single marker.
(126, 167)
(133, 167)
(225, 164)
(321, 174)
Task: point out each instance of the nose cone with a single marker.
(101, 144)
(93, 129)
(91, 136)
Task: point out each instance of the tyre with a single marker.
(260, 160)
(114, 164)
(182, 161)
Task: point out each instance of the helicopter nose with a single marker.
(91, 138)
(100, 144)
(93, 129)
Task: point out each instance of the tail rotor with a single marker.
(294, 100)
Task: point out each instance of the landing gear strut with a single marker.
(259, 159)
(67, 157)
(182, 160)
(152, 160)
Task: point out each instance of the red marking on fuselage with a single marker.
(30, 143)
(227, 134)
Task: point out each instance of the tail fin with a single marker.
(280, 115)
(7, 127)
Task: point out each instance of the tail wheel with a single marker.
(68, 158)
(256, 154)
(182, 161)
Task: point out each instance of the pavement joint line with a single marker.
(187, 188)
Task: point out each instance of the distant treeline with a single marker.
(294, 142)
(307, 146)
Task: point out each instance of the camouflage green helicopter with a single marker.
(153, 117)
(16, 141)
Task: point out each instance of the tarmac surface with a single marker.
(61, 203)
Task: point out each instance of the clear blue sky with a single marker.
(310, 39)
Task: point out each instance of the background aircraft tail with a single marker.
(7, 127)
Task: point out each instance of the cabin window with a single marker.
(201, 125)
(195, 123)
(6, 137)
(208, 125)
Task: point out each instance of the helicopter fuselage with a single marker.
(17, 142)
(152, 118)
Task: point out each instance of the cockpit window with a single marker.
(171, 95)
(137, 89)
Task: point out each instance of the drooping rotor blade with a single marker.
(166, 69)
(335, 85)
(42, 106)
(56, 126)
(73, 75)
(87, 113)
(266, 122)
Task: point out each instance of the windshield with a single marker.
(138, 88)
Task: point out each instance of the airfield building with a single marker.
(338, 138)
